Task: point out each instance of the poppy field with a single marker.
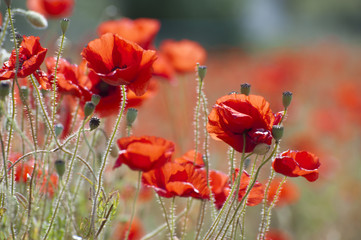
(120, 133)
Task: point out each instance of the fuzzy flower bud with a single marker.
(8, 3)
(286, 99)
(58, 129)
(245, 88)
(202, 70)
(131, 116)
(36, 19)
(95, 99)
(94, 123)
(261, 149)
(88, 109)
(24, 91)
(60, 167)
(64, 23)
(277, 132)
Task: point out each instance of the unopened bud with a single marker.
(88, 109)
(202, 70)
(60, 167)
(95, 99)
(277, 132)
(131, 116)
(64, 23)
(8, 3)
(261, 149)
(4, 89)
(58, 129)
(286, 99)
(94, 123)
(24, 91)
(36, 19)
(245, 88)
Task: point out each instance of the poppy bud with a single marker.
(245, 88)
(131, 116)
(261, 149)
(202, 70)
(4, 89)
(8, 3)
(64, 23)
(58, 129)
(60, 167)
(36, 19)
(277, 132)
(247, 162)
(286, 99)
(24, 91)
(94, 123)
(88, 109)
(95, 99)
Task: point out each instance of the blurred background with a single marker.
(312, 48)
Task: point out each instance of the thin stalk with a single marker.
(107, 151)
(189, 204)
(172, 222)
(134, 204)
(164, 212)
(200, 218)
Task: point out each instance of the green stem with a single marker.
(172, 222)
(200, 221)
(164, 212)
(189, 204)
(134, 204)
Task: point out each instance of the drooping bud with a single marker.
(88, 109)
(58, 129)
(131, 116)
(95, 99)
(261, 149)
(64, 23)
(245, 88)
(202, 70)
(277, 132)
(94, 123)
(24, 91)
(36, 19)
(60, 167)
(4, 89)
(286, 99)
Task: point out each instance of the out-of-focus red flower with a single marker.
(111, 96)
(120, 62)
(276, 235)
(141, 31)
(189, 157)
(136, 230)
(297, 163)
(31, 56)
(219, 182)
(256, 194)
(52, 8)
(67, 78)
(237, 114)
(289, 192)
(144, 153)
(183, 55)
(66, 114)
(49, 185)
(128, 193)
(174, 179)
(163, 68)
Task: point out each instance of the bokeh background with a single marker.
(312, 48)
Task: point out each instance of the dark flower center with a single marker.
(104, 89)
(124, 66)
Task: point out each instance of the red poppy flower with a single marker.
(189, 157)
(31, 56)
(135, 233)
(276, 235)
(52, 8)
(297, 163)
(237, 114)
(174, 179)
(183, 55)
(143, 153)
(120, 62)
(49, 184)
(289, 192)
(111, 96)
(67, 78)
(163, 68)
(141, 31)
(219, 182)
(256, 194)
